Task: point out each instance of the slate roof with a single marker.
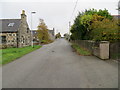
(9, 25)
(49, 31)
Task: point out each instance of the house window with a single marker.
(14, 34)
(11, 24)
(22, 39)
(14, 39)
(8, 41)
(27, 30)
(10, 34)
(2, 39)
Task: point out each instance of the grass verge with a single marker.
(80, 50)
(115, 56)
(11, 54)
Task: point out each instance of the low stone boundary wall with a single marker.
(36, 43)
(85, 44)
(115, 50)
(3, 46)
(99, 49)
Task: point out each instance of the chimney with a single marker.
(53, 31)
(23, 16)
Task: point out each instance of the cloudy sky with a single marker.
(56, 13)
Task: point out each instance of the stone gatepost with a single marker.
(104, 50)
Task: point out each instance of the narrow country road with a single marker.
(56, 66)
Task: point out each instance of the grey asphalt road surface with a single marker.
(56, 66)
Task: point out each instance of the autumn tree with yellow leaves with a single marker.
(105, 30)
(95, 25)
(42, 32)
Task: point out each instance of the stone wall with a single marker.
(115, 50)
(11, 39)
(88, 44)
(110, 50)
(24, 34)
(51, 34)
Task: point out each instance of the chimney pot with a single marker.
(23, 11)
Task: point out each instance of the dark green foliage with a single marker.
(90, 12)
(105, 13)
(58, 35)
(100, 12)
(77, 30)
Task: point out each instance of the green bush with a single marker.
(95, 25)
(106, 30)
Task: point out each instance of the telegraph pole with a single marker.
(69, 27)
(69, 30)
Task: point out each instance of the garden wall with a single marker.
(115, 50)
(103, 49)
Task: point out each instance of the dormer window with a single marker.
(11, 24)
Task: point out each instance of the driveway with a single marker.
(56, 66)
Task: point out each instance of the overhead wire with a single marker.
(72, 15)
(74, 9)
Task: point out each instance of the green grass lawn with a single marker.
(80, 50)
(10, 54)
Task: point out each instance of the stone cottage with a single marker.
(52, 34)
(15, 32)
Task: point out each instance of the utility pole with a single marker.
(69, 30)
(69, 27)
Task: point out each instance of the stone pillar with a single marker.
(104, 50)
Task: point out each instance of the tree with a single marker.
(58, 35)
(90, 11)
(67, 36)
(105, 30)
(77, 29)
(105, 13)
(42, 32)
(81, 28)
(100, 12)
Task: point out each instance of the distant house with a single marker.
(15, 32)
(116, 16)
(35, 38)
(52, 34)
